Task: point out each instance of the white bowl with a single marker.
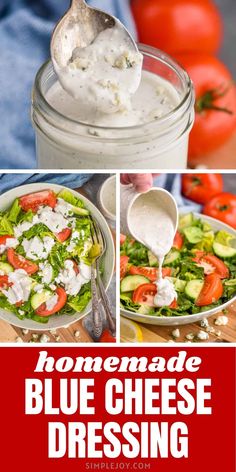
(182, 320)
(106, 198)
(109, 257)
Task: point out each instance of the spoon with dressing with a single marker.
(79, 27)
(95, 58)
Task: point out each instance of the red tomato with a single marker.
(211, 292)
(174, 305)
(76, 267)
(123, 265)
(150, 272)
(63, 235)
(223, 208)
(34, 200)
(201, 187)
(215, 106)
(107, 337)
(144, 294)
(4, 282)
(178, 241)
(19, 262)
(4, 238)
(122, 239)
(62, 299)
(178, 26)
(217, 266)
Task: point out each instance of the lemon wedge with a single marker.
(130, 332)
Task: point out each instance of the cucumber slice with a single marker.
(6, 268)
(223, 251)
(194, 288)
(131, 282)
(185, 220)
(193, 234)
(39, 298)
(172, 258)
(144, 310)
(179, 284)
(153, 262)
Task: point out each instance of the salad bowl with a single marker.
(107, 261)
(216, 226)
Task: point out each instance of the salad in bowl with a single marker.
(201, 266)
(46, 253)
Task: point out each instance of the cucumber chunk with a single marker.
(193, 234)
(223, 251)
(194, 288)
(39, 298)
(153, 262)
(144, 310)
(172, 258)
(179, 284)
(6, 268)
(131, 282)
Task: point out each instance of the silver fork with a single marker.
(99, 239)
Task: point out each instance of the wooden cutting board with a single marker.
(163, 334)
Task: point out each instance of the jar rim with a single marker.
(147, 50)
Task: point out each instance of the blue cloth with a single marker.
(9, 181)
(25, 31)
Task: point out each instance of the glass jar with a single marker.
(64, 143)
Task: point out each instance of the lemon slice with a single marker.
(130, 332)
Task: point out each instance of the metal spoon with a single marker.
(79, 28)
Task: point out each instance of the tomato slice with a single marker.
(123, 265)
(122, 239)
(107, 337)
(4, 238)
(62, 299)
(34, 200)
(211, 292)
(63, 235)
(150, 272)
(75, 267)
(209, 261)
(4, 282)
(19, 262)
(178, 241)
(144, 294)
(174, 304)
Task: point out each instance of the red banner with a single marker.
(118, 408)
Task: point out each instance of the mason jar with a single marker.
(64, 143)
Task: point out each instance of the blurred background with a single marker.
(192, 26)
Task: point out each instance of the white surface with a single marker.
(109, 258)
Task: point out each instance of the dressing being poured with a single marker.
(154, 227)
(104, 75)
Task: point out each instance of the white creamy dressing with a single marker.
(51, 302)
(37, 248)
(46, 272)
(103, 75)
(21, 287)
(154, 99)
(10, 243)
(53, 219)
(153, 226)
(75, 236)
(73, 282)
